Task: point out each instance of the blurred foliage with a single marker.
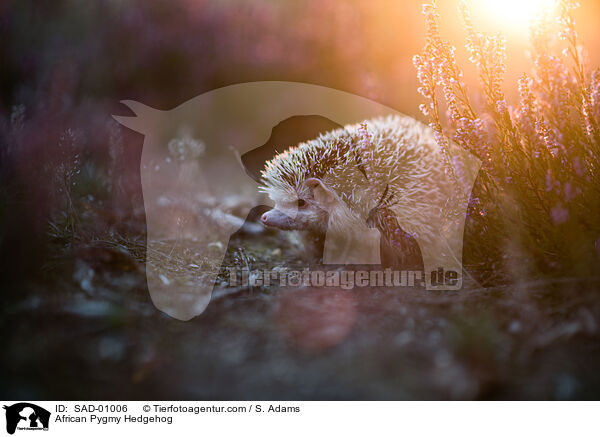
(72, 222)
(536, 208)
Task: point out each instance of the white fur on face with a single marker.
(306, 218)
(335, 217)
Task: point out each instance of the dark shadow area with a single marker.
(288, 133)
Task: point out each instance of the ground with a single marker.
(88, 330)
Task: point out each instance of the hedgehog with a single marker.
(385, 173)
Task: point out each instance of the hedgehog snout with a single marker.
(277, 219)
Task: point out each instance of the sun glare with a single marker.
(511, 15)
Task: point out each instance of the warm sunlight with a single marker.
(510, 15)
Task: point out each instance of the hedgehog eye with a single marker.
(301, 203)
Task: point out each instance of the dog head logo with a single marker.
(26, 416)
(192, 155)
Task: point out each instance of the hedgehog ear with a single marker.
(320, 192)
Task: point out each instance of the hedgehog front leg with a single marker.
(399, 250)
(313, 243)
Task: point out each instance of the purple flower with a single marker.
(577, 166)
(570, 193)
(559, 214)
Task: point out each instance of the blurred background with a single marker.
(77, 315)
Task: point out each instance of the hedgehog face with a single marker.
(302, 215)
(305, 210)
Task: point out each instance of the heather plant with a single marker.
(66, 172)
(115, 153)
(535, 209)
